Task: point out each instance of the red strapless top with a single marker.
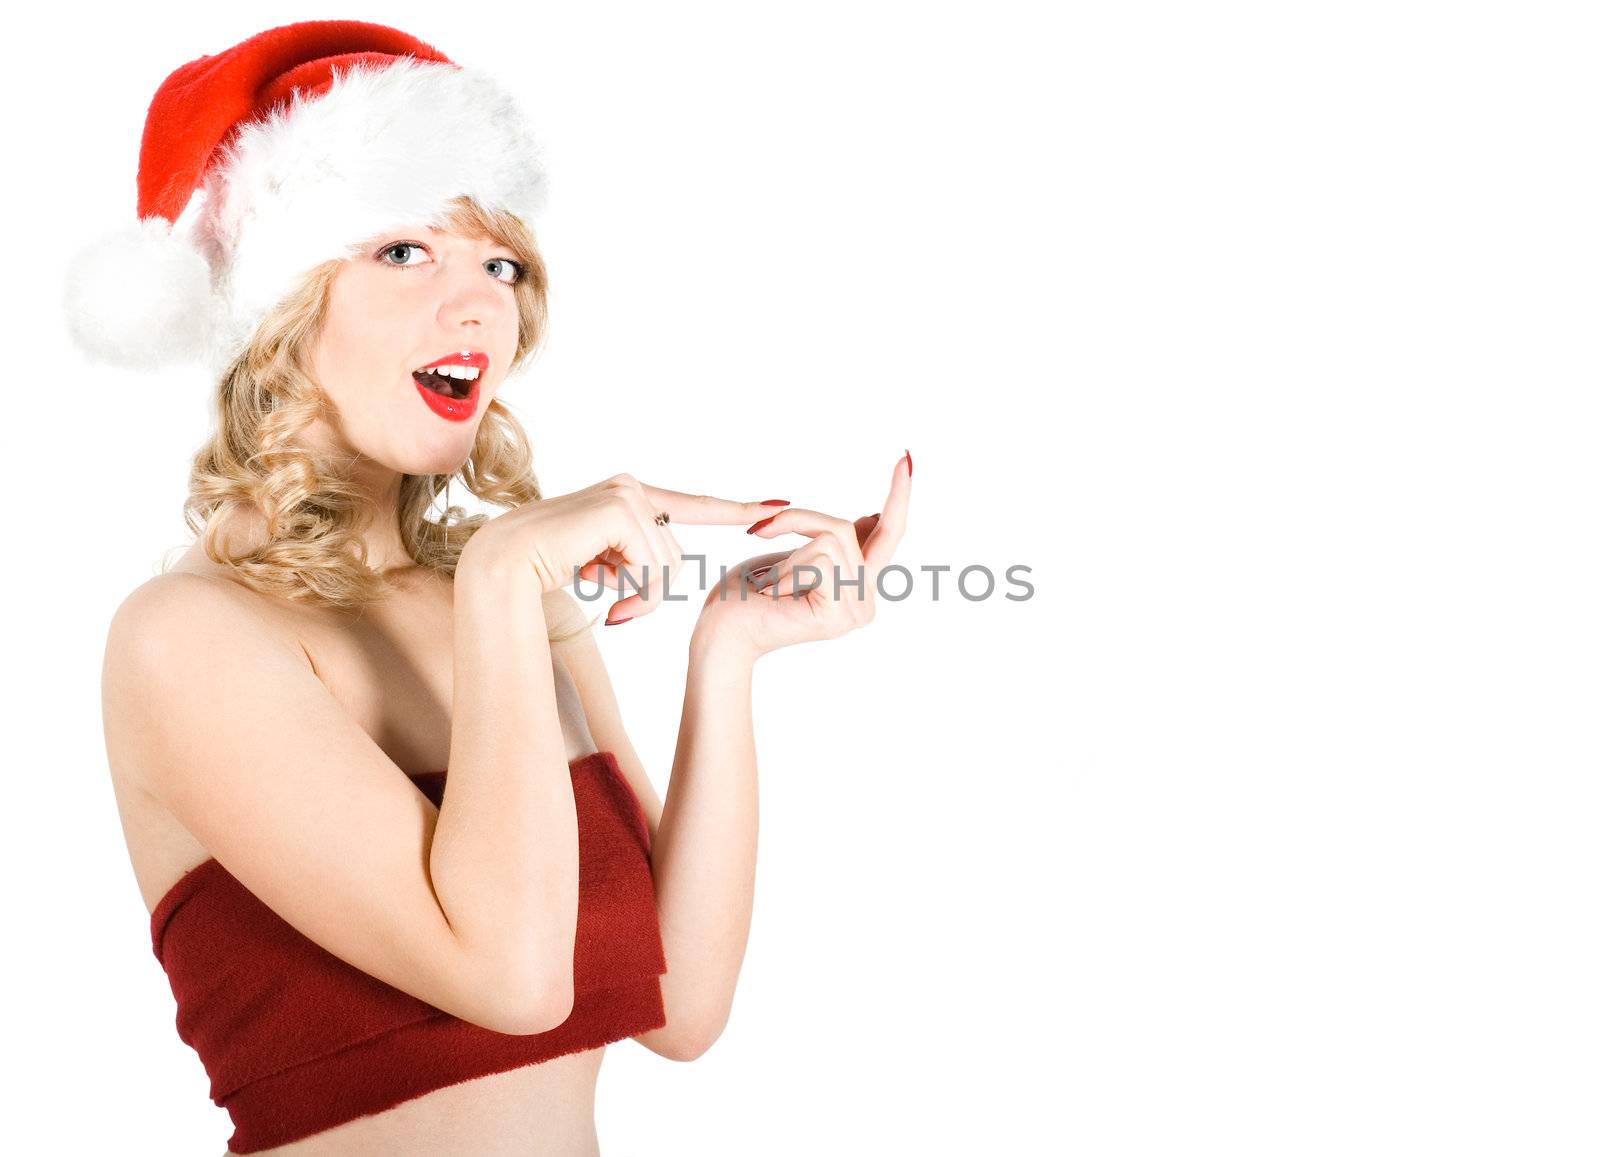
(296, 1041)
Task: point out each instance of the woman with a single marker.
(366, 960)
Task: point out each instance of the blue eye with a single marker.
(400, 245)
(516, 276)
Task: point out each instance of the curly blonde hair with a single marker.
(255, 458)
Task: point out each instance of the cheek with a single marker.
(364, 333)
(341, 338)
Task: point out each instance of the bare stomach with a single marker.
(545, 1109)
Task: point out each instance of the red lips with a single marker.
(452, 408)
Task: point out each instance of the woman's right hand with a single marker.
(598, 532)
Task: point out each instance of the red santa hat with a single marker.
(271, 157)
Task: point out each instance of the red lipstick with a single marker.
(454, 399)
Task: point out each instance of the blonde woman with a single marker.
(405, 872)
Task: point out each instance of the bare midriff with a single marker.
(546, 1108)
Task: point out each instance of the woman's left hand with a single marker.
(777, 607)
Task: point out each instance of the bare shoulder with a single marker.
(167, 623)
(184, 610)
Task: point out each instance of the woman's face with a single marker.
(415, 297)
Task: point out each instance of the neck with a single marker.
(380, 534)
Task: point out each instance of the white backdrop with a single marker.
(1263, 334)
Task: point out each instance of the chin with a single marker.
(437, 464)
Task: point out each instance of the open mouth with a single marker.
(444, 384)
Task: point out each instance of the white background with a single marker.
(1264, 334)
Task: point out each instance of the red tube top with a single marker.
(296, 1041)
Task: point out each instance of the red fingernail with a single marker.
(760, 524)
(908, 463)
(773, 502)
(614, 622)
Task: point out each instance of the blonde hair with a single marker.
(255, 458)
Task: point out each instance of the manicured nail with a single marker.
(773, 502)
(908, 463)
(760, 524)
(615, 622)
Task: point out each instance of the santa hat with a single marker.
(265, 160)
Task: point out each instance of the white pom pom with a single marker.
(140, 297)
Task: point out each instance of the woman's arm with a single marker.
(704, 855)
(703, 841)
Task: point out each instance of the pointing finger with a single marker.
(706, 509)
(885, 537)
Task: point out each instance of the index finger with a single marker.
(706, 509)
(881, 543)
